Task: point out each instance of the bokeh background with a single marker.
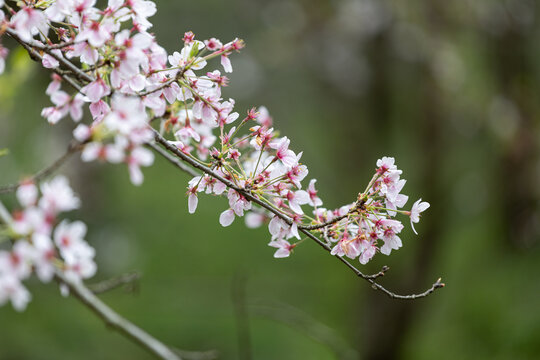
(451, 89)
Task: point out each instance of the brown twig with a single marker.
(43, 173)
(33, 45)
(36, 56)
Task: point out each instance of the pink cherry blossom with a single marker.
(96, 90)
(368, 249)
(296, 199)
(213, 44)
(112, 153)
(27, 193)
(418, 207)
(58, 196)
(95, 32)
(287, 157)
(254, 220)
(29, 22)
(314, 200)
(87, 54)
(43, 256)
(50, 62)
(284, 248)
(11, 289)
(137, 158)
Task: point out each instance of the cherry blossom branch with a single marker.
(36, 56)
(110, 317)
(327, 223)
(33, 45)
(248, 195)
(43, 173)
(45, 48)
(115, 321)
(58, 46)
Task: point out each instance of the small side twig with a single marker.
(384, 269)
(36, 56)
(131, 279)
(45, 172)
(33, 44)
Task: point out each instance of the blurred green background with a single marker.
(451, 89)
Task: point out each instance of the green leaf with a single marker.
(4, 152)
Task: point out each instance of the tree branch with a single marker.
(305, 229)
(248, 195)
(45, 48)
(36, 56)
(43, 173)
(115, 321)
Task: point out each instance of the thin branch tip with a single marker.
(439, 284)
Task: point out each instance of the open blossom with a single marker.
(288, 157)
(27, 193)
(314, 200)
(29, 22)
(11, 289)
(39, 246)
(296, 199)
(96, 90)
(134, 85)
(137, 158)
(58, 196)
(113, 153)
(49, 61)
(284, 248)
(87, 53)
(418, 207)
(95, 32)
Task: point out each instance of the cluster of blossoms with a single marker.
(135, 90)
(361, 227)
(127, 78)
(41, 245)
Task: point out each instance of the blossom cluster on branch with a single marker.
(107, 61)
(40, 243)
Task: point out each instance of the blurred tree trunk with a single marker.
(518, 166)
(386, 322)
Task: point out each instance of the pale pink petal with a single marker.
(227, 217)
(193, 200)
